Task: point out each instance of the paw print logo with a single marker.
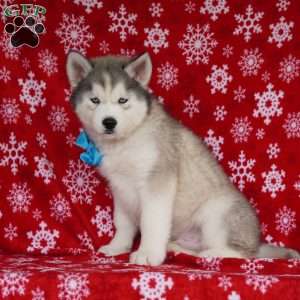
(24, 32)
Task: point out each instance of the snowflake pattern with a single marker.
(219, 79)
(281, 32)
(239, 94)
(5, 75)
(210, 263)
(43, 239)
(123, 23)
(189, 7)
(252, 266)
(58, 118)
(150, 291)
(104, 47)
(282, 5)
(227, 51)
(89, 4)
(268, 104)
(103, 221)
(80, 182)
(32, 92)
(10, 232)
(156, 38)
(250, 62)
(273, 181)
(73, 286)
(234, 296)
(242, 170)
(289, 68)
(224, 282)
(273, 150)
(285, 220)
(167, 75)
(9, 51)
(10, 111)
(156, 10)
(191, 106)
(38, 294)
(13, 283)
(197, 44)
(19, 197)
(41, 140)
(215, 143)
(47, 62)
(74, 33)
(220, 113)
(44, 168)
(248, 23)
(261, 282)
(13, 154)
(214, 8)
(292, 125)
(241, 130)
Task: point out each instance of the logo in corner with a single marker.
(25, 24)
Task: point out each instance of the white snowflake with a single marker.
(167, 75)
(37, 214)
(152, 285)
(261, 282)
(26, 63)
(210, 263)
(273, 181)
(47, 62)
(227, 51)
(89, 4)
(248, 23)
(155, 9)
(38, 294)
(270, 240)
(214, 8)
(282, 5)
(190, 7)
(191, 106)
(215, 143)
(250, 62)
(266, 76)
(260, 133)
(292, 125)
(128, 52)
(43, 239)
(199, 275)
(123, 22)
(5, 75)
(58, 118)
(44, 168)
(80, 182)
(239, 94)
(268, 104)
(241, 130)
(60, 208)
(219, 79)
(103, 221)
(220, 113)
(273, 150)
(281, 32)
(156, 38)
(224, 282)
(233, 296)
(14, 155)
(86, 241)
(74, 33)
(285, 220)
(73, 286)
(32, 92)
(197, 44)
(104, 47)
(289, 68)
(19, 197)
(10, 232)
(70, 140)
(242, 170)
(252, 266)
(41, 139)
(28, 119)
(13, 283)
(10, 52)
(10, 111)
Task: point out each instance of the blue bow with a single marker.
(92, 155)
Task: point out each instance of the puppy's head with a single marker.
(109, 93)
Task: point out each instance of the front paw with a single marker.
(111, 250)
(151, 258)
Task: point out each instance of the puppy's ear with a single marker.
(77, 67)
(140, 69)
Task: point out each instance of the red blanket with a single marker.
(227, 69)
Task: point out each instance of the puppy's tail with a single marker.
(269, 251)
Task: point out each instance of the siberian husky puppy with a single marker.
(165, 182)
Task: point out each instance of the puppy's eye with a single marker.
(95, 100)
(123, 100)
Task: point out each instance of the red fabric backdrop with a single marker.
(227, 69)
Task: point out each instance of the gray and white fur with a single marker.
(165, 182)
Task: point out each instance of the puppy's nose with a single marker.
(109, 123)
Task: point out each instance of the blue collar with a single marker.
(92, 155)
